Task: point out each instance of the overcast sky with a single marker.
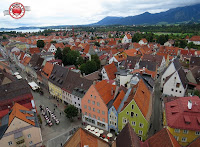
(77, 12)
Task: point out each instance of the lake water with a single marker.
(30, 30)
(23, 31)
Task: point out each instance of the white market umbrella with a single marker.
(105, 139)
(88, 127)
(97, 134)
(101, 131)
(92, 128)
(109, 135)
(96, 130)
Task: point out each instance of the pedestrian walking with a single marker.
(60, 113)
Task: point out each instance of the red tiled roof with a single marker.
(119, 99)
(195, 143)
(34, 50)
(17, 113)
(26, 60)
(195, 38)
(173, 51)
(59, 45)
(178, 115)
(128, 36)
(142, 97)
(187, 52)
(104, 89)
(111, 70)
(132, 52)
(162, 139)
(144, 40)
(47, 69)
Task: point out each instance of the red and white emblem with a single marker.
(16, 10)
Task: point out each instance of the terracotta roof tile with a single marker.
(111, 70)
(163, 138)
(195, 38)
(17, 113)
(104, 88)
(142, 97)
(47, 69)
(119, 99)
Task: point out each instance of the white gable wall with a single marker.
(170, 87)
(168, 72)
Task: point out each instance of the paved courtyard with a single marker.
(51, 132)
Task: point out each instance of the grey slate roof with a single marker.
(127, 137)
(153, 58)
(131, 61)
(58, 75)
(195, 61)
(75, 83)
(4, 125)
(148, 64)
(14, 89)
(36, 61)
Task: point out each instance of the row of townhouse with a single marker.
(67, 86)
(110, 107)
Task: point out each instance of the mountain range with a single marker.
(172, 16)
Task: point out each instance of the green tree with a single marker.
(72, 57)
(71, 111)
(119, 41)
(4, 37)
(97, 44)
(197, 93)
(95, 58)
(162, 39)
(53, 41)
(58, 54)
(40, 43)
(83, 68)
(66, 50)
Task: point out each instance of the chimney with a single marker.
(112, 91)
(189, 104)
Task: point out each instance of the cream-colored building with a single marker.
(20, 128)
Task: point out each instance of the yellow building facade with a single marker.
(184, 137)
(55, 90)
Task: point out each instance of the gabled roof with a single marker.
(153, 58)
(196, 73)
(127, 137)
(104, 89)
(128, 36)
(131, 62)
(59, 45)
(111, 69)
(132, 52)
(195, 143)
(34, 50)
(74, 80)
(144, 40)
(13, 90)
(20, 112)
(36, 60)
(195, 38)
(84, 137)
(119, 99)
(58, 75)
(179, 116)
(142, 98)
(162, 139)
(195, 61)
(148, 64)
(26, 60)
(47, 69)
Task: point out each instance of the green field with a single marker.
(167, 33)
